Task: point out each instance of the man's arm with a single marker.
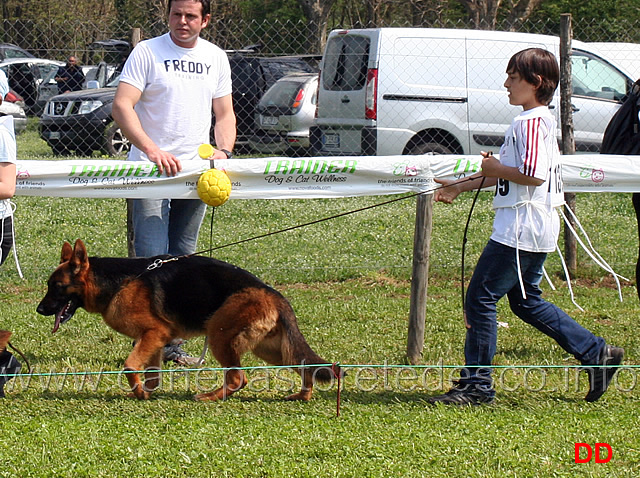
(127, 96)
(225, 127)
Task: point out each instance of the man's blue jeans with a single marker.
(166, 226)
(496, 275)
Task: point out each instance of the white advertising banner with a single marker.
(283, 178)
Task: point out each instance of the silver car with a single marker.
(284, 114)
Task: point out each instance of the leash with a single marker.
(464, 244)
(337, 372)
(19, 352)
(335, 216)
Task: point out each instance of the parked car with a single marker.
(18, 113)
(284, 115)
(49, 86)
(81, 120)
(9, 50)
(25, 76)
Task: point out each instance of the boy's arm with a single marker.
(452, 189)
(492, 168)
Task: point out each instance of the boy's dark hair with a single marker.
(538, 67)
(206, 6)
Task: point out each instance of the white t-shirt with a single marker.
(7, 155)
(524, 215)
(178, 86)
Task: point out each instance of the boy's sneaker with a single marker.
(173, 352)
(600, 377)
(464, 394)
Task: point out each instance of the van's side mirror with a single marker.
(93, 85)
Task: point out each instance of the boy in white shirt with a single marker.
(528, 183)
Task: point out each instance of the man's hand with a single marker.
(166, 162)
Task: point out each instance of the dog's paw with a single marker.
(140, 396)
(207, 397)
(302, 395)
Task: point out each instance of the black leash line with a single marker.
(317, 221)
(464, 244)
(19, 352)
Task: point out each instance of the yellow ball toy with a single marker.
(214, 187)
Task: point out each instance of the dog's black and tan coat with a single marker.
(186, 297)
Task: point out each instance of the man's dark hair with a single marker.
(206, 6)
(538, 67)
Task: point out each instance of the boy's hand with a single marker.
(490, 165)
(447, 193)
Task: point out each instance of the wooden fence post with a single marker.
(568, 139)
(420, 277)
(135, 39)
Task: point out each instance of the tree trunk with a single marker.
(317, 13)
(483, 14)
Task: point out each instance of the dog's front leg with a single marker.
(146, 355)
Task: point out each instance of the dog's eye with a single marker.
(60, 287)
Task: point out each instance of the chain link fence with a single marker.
(407, 94)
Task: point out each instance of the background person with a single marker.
(168, 88)
(8, 363)
(528, 184)
(69, 77)
(7, 174)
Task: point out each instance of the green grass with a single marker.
(349, 281)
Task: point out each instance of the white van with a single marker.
(390, 91)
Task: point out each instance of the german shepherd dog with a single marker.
(183, 297)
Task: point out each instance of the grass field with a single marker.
(349, 281)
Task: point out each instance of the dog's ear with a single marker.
(65, 255)
(79, 258)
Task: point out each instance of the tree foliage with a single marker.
(286, 26)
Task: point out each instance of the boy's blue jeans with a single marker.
(166, 226)
(496, 275)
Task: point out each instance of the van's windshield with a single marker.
(345, 63)
(592, 77)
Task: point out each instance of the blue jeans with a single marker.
(496, 275)
(166, 226)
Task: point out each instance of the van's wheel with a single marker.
(429, 148)
(115, 143)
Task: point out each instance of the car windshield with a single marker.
(282, 93)
(113, 83)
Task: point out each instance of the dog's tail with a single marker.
(296, 351)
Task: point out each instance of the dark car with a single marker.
(9, 50)
(81, 121)
(252, 76)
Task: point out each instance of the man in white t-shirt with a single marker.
(168, 87)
